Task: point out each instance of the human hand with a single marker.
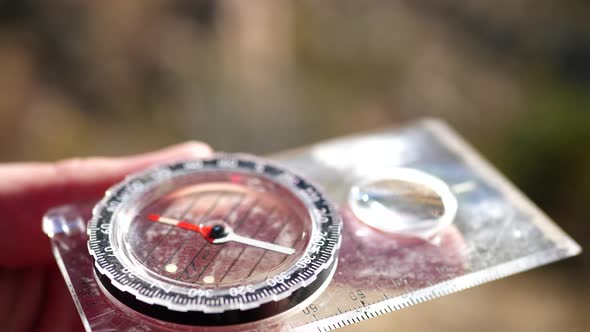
(33, 295)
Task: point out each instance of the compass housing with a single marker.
(117, 224)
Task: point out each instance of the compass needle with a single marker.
(261, 244)
(208, 233)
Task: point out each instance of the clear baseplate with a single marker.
(424, 216)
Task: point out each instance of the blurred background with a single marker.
(513, 77)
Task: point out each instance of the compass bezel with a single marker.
(131, 285)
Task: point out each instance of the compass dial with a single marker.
(220, 241)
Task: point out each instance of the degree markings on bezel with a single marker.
(301, 277)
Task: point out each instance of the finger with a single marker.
(83, 177)
(22, 293)
(28, 190)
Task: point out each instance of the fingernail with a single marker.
(193, 148)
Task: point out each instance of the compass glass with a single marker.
(225, 240)
(251, 206)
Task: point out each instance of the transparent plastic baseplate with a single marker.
(495, 231)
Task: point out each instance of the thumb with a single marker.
(28, 190)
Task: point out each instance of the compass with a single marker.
(225, 240)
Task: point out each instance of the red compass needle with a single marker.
(203, 230)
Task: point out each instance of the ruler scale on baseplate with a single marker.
(406, 215)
